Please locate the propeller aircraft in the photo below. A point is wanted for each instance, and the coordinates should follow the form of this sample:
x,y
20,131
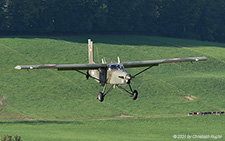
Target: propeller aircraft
x,y
109,73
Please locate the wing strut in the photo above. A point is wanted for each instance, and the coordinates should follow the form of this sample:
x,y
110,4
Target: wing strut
x,y
145,70
86,74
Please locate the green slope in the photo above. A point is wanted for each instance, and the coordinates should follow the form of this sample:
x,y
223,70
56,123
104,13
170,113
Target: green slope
x,y
53,95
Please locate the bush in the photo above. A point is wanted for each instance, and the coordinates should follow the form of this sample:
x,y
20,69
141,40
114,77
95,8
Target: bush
x,y
11,138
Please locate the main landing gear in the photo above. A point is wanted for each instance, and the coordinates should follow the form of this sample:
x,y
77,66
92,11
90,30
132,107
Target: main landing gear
x,y
134,94
101,95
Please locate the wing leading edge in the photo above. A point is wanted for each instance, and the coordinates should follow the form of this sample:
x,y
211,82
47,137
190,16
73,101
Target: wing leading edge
x,y
157,62
63,66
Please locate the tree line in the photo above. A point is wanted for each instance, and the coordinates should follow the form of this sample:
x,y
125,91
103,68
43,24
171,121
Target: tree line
x,y
195,19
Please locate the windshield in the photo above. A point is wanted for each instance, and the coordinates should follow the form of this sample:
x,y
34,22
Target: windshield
x,y
115,67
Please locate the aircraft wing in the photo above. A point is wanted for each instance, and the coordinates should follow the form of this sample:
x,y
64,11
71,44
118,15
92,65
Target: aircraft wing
x,y
157,62
62,67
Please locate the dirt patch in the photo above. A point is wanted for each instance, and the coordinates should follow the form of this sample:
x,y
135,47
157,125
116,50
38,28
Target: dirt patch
x,y
193,96
125,116
2,101
190,97
29,119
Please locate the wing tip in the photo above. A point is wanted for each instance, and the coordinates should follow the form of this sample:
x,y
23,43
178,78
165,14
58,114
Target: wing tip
x,y
18,67
201,59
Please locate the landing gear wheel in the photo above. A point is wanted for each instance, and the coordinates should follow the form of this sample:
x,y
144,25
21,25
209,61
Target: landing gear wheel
x,y
100,96
134,95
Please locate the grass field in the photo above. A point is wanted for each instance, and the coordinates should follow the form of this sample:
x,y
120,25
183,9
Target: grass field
x,y
52,105
120,129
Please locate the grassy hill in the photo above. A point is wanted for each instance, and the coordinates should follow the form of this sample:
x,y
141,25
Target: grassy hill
x,y
50,95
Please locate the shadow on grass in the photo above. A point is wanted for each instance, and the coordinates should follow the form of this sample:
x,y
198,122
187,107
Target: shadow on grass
x,y
135,40
42,122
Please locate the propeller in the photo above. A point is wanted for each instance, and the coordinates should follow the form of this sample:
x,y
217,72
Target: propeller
x,y
128,77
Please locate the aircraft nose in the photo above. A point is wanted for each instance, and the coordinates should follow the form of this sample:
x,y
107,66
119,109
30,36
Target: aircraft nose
x,y
128,77
125,76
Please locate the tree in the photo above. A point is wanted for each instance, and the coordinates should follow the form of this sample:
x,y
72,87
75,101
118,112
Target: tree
x,y
179,18
196,19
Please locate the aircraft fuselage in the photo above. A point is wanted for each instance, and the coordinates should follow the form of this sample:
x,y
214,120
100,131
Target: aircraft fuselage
x,y
113,74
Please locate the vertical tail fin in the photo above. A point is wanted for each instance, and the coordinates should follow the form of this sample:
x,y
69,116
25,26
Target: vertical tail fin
x,y
90,51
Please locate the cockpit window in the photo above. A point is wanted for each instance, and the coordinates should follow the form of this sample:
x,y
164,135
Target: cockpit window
x,y
115,67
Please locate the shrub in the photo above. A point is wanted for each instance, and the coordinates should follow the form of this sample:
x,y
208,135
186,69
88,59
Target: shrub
x,y
11,138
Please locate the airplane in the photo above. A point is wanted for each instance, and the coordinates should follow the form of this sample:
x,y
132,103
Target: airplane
x,y
109,73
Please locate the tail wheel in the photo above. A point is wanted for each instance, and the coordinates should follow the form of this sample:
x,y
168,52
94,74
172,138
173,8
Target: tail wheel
x,y
100,96
134,95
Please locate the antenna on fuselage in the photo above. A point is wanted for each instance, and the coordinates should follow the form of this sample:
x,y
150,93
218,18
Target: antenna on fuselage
x,y
103,60
118,58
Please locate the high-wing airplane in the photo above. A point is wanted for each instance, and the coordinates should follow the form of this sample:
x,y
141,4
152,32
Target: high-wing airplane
x,y
109,73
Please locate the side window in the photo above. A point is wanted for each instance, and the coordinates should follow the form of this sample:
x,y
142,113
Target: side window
x,y
109,67
121,67
118,67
